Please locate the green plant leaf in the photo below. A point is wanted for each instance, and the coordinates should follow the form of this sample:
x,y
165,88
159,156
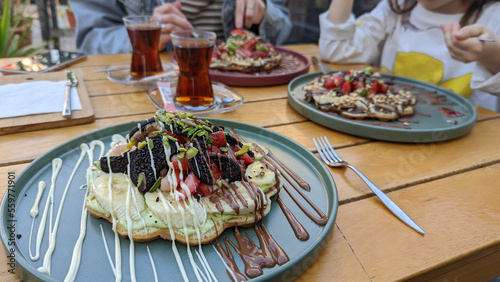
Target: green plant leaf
x,y
5,31
10,42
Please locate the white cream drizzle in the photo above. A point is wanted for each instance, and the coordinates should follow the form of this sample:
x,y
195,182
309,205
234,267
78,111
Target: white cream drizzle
x,y
130,231
34,210
152,264
188,248
49,203
167,207
107,250
77,250
45,268
118,257
179,197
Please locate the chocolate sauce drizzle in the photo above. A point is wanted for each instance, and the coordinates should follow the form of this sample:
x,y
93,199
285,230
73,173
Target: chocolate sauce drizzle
x,y
228,259
254,257
299,230
295,176
228,197
269,253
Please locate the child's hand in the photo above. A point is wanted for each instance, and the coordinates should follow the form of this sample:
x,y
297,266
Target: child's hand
x,y
466,49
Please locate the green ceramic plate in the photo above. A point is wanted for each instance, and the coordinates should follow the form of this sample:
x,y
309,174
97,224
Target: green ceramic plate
x,y
433,128
95,265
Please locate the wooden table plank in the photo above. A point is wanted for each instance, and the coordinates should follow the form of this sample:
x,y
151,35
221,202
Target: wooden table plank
x,y
460,218
303,133
336,263
395,165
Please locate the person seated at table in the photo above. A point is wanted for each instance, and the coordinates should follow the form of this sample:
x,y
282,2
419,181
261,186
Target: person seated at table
x,y
427,40
100,28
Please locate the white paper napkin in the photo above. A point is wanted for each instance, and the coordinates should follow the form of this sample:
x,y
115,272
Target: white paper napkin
x,y
37,97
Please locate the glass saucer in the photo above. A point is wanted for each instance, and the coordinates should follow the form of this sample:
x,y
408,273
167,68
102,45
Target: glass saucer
x,y
120,74
226,99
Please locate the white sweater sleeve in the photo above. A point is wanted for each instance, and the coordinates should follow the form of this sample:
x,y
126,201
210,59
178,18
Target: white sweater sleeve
x,y
356,40
482,79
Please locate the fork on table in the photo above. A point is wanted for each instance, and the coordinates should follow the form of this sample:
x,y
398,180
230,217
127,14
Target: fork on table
x,y
331,158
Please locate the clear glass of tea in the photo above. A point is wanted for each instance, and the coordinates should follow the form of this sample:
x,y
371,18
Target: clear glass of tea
x,y
193,52
144,34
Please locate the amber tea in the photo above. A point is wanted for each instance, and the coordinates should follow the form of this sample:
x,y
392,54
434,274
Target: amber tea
x,y
144,34
193,51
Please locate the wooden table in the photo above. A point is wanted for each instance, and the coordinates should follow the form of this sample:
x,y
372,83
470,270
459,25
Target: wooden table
x,y
450,189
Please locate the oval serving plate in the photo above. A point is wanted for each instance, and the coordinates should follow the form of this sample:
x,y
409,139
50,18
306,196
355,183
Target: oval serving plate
x,y
433,128
292,65
95,265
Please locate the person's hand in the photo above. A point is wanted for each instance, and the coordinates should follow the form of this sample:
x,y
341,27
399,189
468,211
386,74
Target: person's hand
x,y
249,12
462,46
173,19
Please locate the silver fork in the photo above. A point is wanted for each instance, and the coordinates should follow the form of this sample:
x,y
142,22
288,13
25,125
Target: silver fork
x,y
408,25
331,158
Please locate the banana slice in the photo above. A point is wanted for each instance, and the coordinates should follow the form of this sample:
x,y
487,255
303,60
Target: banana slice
x,y
120,184
257,155
259,174
194,213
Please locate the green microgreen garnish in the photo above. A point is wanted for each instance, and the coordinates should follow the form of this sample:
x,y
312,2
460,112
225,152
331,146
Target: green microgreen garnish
x,y
156,185
243,150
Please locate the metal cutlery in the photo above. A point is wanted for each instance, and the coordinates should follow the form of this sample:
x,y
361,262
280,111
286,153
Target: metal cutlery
x,y
324,68
331,158
71,81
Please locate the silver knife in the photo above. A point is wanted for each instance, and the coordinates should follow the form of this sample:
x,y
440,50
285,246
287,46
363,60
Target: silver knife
x,y
324,68
395,209
71,81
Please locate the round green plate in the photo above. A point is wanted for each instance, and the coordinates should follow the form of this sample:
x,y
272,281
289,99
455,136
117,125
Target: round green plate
x,y
435,128
95,265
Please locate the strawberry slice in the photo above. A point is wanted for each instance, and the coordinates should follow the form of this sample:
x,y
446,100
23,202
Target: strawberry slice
x,y
240,32
329,84
346,87
259,54
219,139
357,85
250,44
338,81
192,182
382,88
374,88
245,53
247,159
206,189
178,163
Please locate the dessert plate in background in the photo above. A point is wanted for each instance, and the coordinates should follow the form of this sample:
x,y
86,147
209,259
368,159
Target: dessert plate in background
x,y
292,65
428,124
